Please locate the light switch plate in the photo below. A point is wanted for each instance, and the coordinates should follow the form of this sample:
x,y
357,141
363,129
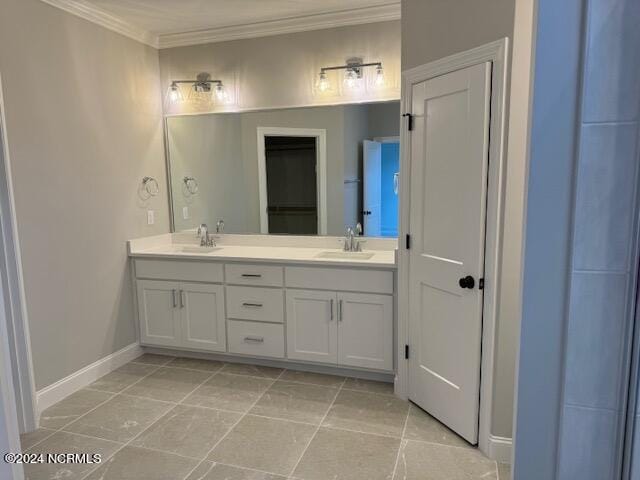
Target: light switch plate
x,y
185,213
151,219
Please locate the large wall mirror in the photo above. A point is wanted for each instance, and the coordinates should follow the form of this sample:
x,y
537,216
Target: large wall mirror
x,y
300,171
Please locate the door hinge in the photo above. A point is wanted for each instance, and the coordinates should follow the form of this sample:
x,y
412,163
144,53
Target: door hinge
x,y
481,284
407,241
406,351
409,120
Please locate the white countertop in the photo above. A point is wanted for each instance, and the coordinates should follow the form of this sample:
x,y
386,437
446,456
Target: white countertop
x,y
245,249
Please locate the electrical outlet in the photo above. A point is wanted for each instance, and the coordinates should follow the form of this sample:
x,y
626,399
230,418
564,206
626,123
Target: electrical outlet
x,y
185,213
151,218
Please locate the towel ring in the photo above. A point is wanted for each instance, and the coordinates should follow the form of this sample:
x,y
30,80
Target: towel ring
x,y
150,185
191,184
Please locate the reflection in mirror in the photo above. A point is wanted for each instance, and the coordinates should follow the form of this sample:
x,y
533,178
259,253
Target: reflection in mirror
x,y
302,171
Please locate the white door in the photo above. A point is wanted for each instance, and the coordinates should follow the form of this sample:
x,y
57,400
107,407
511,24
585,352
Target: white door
x,y
203,319
372,201
158,313
312,331
449,162
365,330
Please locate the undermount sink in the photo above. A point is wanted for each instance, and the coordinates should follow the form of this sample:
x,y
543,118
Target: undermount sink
x,y
346,255
191,249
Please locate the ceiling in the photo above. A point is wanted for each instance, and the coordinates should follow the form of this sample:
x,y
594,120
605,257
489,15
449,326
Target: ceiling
x,y
178,16
168,23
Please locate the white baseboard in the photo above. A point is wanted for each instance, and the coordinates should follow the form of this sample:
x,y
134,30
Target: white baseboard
x,y
499,449
63,388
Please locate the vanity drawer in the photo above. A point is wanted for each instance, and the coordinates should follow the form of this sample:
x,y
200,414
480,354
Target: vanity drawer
x,y
197,271
259,275
340,279
253,338
255,303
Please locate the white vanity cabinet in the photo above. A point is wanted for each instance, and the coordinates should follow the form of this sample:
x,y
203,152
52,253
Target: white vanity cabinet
x,y
365,330
158,313
203,319
312,326
182,314
330,315
347,328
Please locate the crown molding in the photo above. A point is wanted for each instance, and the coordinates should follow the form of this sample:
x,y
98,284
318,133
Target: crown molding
x,y
319,21
99,17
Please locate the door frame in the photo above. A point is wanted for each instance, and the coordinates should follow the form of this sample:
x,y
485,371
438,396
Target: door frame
x,y
497,53
320,135
17,323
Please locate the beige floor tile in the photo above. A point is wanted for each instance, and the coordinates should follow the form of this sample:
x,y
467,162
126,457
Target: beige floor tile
x,y
188,431
343,455
368,386
295,401
312,378
120,419
133,463
62,442
504,471
252,370
265,444
123,377
72,407
367,412
153,359
28,440
168,384
422,426
196,364
427,461
217,471
229,392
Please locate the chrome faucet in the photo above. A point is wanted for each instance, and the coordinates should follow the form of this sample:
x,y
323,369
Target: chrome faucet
x,y
351,242
348,240
206,240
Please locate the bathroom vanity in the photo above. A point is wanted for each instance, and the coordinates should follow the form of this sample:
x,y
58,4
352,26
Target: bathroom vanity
x,y
292,299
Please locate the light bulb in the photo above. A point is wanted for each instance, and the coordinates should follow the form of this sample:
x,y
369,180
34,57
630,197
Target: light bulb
x,y
175,95
220,92
350,78
323,82
379,76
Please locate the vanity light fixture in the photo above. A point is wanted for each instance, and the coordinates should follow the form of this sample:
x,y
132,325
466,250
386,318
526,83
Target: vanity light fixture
x,y
353,73
203,84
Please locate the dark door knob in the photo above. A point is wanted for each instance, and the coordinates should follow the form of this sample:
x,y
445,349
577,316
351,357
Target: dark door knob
x,y
467,282
366,212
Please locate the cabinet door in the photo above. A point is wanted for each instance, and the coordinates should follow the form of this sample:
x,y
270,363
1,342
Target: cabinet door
x,y
365,331
158,313
203,320
312,326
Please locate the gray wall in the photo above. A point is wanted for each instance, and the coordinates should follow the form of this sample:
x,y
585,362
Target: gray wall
x,y
432,29
84,126
282,70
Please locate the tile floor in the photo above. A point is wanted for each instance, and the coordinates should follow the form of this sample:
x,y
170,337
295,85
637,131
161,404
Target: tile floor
x,y
166,418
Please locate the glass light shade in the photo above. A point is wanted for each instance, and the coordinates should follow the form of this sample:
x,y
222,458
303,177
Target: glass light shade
x,y
220,93
323,82
350,78
175,94
379,81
